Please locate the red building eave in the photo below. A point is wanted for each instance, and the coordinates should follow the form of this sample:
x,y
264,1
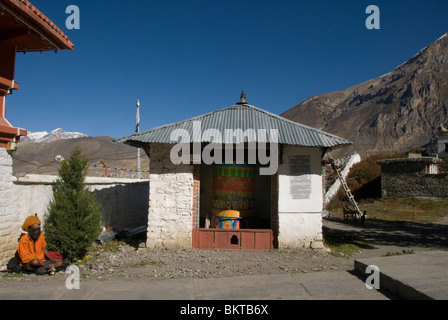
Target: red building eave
x,y
32,30
7,85
9,134
23,28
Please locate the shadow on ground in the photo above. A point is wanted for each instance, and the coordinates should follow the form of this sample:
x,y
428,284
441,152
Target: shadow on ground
x,y
388,233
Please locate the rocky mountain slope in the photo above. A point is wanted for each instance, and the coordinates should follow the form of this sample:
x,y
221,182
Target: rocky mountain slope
x,y
393,113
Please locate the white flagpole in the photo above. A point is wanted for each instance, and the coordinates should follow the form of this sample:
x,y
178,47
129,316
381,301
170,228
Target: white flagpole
x,y
137,129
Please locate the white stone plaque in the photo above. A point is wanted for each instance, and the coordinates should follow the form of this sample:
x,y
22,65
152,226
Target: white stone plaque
x,y
300,177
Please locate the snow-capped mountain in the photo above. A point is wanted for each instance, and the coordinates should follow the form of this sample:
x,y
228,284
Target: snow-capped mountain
x,y
56,134
34,136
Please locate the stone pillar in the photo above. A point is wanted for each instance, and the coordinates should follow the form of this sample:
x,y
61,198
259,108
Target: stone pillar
x,y
170,200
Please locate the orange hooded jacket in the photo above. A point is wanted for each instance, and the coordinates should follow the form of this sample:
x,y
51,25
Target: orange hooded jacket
x,y
29,250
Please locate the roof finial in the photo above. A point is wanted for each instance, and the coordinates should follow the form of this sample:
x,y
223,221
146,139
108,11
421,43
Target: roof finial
x,y
243,96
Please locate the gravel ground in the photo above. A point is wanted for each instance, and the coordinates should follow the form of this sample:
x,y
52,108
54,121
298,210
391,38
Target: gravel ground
x,y
129,262
169,264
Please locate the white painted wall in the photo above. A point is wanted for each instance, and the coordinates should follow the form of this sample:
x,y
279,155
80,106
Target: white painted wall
x,y
286,201
300,220
300,230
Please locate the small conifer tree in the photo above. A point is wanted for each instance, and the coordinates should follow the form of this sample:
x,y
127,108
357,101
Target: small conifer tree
x,y
74,217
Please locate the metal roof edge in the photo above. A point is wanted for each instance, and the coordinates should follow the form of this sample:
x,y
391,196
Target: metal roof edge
x,y
341,141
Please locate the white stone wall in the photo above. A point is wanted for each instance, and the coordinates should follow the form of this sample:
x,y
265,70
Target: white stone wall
x,y
170,201
300,219
8,203
124,202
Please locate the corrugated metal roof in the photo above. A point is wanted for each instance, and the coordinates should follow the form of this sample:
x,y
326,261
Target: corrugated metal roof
x,y
254,125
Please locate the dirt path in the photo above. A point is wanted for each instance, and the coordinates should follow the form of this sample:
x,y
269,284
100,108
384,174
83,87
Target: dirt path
x,y
382,237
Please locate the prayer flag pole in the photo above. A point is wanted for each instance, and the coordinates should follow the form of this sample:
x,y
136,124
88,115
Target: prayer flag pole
x,y
137,129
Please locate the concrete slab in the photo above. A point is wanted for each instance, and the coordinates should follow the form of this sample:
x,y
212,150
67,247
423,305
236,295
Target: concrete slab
x,y
335,285
271,287
422,275
144,290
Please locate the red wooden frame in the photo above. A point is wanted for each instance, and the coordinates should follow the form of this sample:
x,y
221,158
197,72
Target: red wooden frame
x,y
246,239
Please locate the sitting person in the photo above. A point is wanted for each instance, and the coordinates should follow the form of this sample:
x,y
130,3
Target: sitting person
x,y
32,252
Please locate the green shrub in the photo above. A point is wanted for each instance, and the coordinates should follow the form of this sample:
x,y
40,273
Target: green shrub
x,y
74,217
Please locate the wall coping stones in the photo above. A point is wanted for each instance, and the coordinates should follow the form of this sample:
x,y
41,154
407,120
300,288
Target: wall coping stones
x,y
51,179
426,160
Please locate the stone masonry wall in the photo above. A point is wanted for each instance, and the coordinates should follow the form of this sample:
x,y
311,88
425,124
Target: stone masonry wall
x,y
413,177
414,185
170,201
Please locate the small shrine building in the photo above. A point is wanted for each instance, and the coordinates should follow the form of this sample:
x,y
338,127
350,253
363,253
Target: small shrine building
x,y
235,178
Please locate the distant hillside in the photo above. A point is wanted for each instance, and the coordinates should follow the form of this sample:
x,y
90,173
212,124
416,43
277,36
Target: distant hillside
x,y
393,113
39,158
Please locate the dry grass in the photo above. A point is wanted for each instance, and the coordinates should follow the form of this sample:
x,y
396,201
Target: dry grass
x,y
343,246
401,209
364,180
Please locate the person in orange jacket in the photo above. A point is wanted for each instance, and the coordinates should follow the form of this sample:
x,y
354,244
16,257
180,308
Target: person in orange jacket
x,y
32,249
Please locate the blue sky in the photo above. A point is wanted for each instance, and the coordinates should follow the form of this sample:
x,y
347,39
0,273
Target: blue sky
x,y
185,58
